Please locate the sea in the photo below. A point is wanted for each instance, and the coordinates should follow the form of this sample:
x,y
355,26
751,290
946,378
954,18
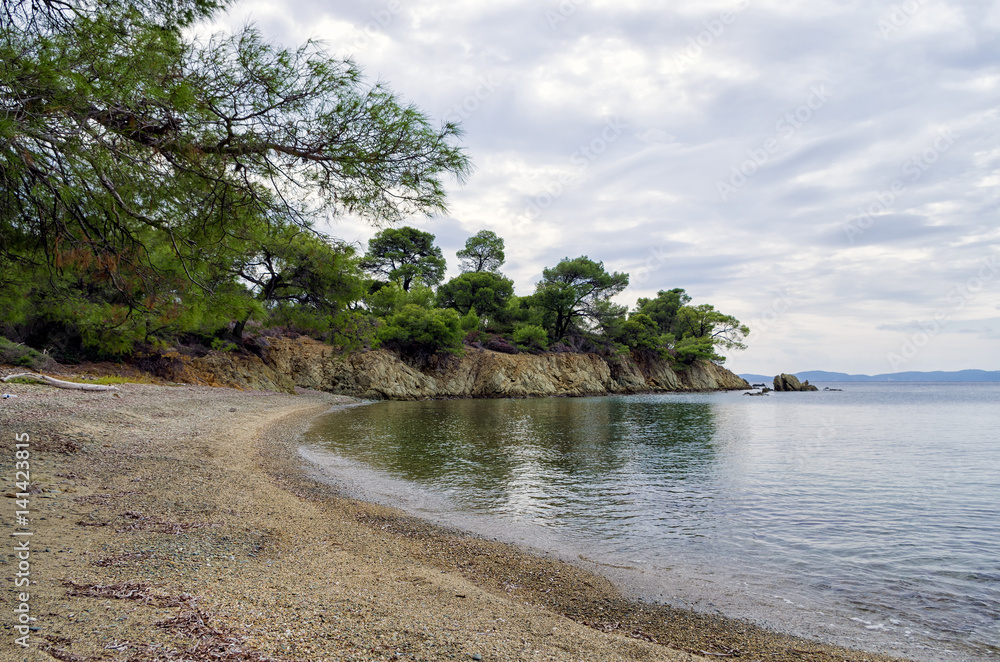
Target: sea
x,y
867,516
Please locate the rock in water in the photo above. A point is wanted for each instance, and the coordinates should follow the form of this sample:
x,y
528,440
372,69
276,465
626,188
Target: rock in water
x,y
785,382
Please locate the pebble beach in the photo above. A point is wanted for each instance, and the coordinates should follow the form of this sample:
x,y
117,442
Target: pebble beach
x,y
177,522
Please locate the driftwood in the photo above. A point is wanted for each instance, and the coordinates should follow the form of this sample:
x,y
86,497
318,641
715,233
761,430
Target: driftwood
x,y
58,383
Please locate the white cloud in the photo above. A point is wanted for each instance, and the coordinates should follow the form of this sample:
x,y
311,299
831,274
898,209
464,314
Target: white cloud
x,y
648,202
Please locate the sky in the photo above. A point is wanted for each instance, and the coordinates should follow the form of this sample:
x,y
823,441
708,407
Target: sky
x,y
826,171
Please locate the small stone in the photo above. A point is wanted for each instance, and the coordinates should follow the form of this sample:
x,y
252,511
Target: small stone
x,y
477,656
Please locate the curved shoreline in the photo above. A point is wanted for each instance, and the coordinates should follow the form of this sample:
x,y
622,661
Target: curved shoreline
x,y
626,588
184,517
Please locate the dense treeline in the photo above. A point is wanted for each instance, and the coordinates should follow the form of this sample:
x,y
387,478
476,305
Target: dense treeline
x,y
392,296
571,308
157,191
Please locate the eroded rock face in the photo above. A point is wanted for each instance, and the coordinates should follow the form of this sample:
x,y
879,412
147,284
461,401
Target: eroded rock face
x,y
784,382
382,375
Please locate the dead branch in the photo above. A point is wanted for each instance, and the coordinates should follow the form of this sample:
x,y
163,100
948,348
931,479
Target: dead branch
x,y
58,383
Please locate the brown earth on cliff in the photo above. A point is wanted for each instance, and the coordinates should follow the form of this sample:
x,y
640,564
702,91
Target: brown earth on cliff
x,y
381,375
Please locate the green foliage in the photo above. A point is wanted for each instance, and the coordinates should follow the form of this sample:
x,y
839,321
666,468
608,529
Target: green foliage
x,y
698,330
485,292
353,330
575,294
641,334
390,298
483,252
422,332
151,186
302,279
470,322
530,337
223,345
405,255
664,308
519,311
704,321
77,313
689,349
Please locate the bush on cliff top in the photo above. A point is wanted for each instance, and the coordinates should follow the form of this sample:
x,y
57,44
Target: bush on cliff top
x,y
421,332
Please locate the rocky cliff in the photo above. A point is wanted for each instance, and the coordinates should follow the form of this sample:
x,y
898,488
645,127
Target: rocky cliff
x,y
380,374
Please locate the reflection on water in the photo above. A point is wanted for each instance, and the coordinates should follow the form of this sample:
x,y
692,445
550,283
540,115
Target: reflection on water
x,y
590,462
873,509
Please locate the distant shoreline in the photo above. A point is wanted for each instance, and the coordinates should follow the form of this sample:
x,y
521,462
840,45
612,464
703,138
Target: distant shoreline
x,y
935,377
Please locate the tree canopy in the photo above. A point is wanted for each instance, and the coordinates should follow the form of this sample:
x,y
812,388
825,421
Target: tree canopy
x,y
664,308
297,275
483,252
693,332
576,292
405,255
482,291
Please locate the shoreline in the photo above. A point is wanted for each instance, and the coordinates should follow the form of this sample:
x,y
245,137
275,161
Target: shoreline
x,y
185,520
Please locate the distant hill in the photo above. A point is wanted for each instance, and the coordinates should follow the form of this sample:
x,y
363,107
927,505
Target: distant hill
x,y
815,376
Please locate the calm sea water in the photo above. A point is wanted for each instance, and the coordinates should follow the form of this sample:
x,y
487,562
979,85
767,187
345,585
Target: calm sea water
x,y
868,517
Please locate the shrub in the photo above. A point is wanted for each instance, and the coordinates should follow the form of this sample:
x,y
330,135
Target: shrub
x,y
531,338
418,331
641,334
690,349
470,321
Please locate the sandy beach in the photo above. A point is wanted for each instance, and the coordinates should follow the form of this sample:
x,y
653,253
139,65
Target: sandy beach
x,y
179,523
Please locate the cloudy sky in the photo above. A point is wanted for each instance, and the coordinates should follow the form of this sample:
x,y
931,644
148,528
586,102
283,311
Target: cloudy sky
x,y
826,171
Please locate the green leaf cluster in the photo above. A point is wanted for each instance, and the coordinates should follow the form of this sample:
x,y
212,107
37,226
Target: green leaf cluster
x,y
691,332
531,338
575,297
421,332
